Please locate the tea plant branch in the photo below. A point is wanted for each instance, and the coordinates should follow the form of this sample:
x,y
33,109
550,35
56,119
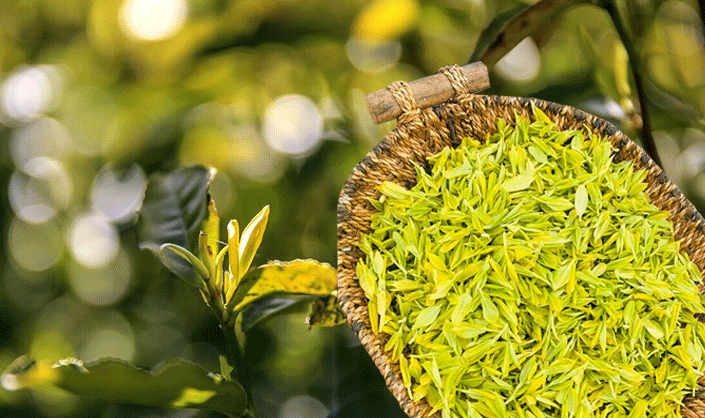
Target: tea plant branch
x,y
236,360
644,128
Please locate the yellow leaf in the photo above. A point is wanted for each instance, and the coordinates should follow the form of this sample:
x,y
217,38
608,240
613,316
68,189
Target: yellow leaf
x,y
206,254
252,238
393,190
211,226
386,19
233,257
639,409
301,277
219,276
374,319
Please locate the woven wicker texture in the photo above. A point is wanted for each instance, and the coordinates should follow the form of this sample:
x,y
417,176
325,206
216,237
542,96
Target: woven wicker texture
x,y
421,133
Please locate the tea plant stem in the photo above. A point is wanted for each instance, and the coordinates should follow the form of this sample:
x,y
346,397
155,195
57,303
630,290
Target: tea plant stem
x,y
237,361
635,66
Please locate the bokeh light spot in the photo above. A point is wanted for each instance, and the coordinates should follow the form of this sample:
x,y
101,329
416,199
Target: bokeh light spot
x,y
293,125
29,92
9,382
35,247
108,342
93,240
373,56
252,158
103,286
35,195
152,20
302,407
119,195
521,63
29,198
44,137
223,191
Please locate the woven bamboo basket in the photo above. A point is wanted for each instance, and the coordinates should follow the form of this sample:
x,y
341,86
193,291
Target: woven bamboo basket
x,y
422,132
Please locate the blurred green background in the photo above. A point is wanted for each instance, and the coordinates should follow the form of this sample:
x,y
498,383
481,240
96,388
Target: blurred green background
x,y
97,95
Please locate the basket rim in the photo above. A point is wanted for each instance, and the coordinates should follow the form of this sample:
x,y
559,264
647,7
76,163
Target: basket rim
x,y
688,223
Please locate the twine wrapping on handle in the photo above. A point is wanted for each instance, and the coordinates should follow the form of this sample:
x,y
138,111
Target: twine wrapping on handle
x,y
429,91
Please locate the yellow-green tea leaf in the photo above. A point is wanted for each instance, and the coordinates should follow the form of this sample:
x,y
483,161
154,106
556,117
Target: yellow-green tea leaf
x,y
427,316
581,200
517,183
508,303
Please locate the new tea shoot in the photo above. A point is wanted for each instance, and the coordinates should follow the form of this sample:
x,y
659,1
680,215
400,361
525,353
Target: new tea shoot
x,y
530,276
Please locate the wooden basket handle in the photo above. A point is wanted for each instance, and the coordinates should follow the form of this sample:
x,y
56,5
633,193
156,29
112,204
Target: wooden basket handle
x,y
428,91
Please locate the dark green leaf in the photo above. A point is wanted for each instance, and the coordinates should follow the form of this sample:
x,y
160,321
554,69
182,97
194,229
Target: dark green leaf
x,y
270,306
174,206
492,31
511,27
324,310
173,384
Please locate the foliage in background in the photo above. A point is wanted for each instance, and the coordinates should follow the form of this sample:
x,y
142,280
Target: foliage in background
x,y
178,220
95,98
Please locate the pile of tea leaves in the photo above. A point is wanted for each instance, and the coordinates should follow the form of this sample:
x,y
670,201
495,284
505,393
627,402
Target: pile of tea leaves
x,y
530,276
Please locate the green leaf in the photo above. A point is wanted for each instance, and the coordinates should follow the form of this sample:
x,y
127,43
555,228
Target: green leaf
x,y
211,229
251,238
226,370
653,328
489,310
173,384
179,265
298,277
174,207
509,28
